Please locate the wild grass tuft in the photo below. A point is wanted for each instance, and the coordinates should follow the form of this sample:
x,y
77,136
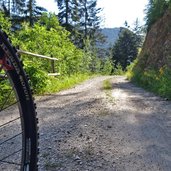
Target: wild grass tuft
x,y
107,85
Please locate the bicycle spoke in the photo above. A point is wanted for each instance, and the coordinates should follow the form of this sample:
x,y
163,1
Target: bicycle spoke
x,y
10,138
12,104
10,127
17,152
3,76
6,100
12,163
9,122
2,160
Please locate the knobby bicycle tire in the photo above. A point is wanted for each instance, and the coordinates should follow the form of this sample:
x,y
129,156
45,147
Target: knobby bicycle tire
x,y
12,69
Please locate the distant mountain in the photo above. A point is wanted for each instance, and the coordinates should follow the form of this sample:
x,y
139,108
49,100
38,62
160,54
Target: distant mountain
x,y
111,35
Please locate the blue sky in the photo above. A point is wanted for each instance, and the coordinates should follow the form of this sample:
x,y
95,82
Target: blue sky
x,y
115,12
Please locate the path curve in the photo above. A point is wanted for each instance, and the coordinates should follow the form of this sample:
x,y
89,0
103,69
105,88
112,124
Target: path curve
x,y
87,128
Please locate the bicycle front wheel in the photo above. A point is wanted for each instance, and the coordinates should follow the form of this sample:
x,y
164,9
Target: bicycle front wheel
x,y
18,123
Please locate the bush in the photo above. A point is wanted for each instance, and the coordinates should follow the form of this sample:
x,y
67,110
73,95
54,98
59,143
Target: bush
x,y
107,67
48,38
157,81
118,70
5,23
39,78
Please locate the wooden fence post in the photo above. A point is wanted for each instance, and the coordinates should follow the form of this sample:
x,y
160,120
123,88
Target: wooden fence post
x,y
53,65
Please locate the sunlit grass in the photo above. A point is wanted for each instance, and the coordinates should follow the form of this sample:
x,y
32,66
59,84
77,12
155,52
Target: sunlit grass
x,y
107,85
62,83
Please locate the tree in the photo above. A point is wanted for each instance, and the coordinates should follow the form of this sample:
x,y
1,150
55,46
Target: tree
x,y
138,30
32,11
80,17
125,49
155,9
21,10
90,21
67,13
12,7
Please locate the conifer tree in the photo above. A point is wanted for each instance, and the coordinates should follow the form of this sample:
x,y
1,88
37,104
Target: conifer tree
x,y
20,10
89,20
32,11
66,13
80,17
125,49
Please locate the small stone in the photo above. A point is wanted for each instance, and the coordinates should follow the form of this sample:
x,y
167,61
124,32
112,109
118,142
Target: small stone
x,y
80,135
80,162
87,138
109,126
77,157
68,132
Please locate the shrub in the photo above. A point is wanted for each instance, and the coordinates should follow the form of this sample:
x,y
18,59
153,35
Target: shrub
x,y
157,81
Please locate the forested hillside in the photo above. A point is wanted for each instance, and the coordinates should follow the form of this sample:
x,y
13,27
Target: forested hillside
x,y
111,35
152,70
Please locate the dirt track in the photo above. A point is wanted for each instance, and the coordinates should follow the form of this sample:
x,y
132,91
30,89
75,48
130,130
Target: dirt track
x,y
89,129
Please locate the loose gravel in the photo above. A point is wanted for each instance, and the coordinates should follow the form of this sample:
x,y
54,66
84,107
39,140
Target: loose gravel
x,y
87,128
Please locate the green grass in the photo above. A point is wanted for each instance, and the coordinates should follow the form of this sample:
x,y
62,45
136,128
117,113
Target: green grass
x,y
107,85
62,83
156,81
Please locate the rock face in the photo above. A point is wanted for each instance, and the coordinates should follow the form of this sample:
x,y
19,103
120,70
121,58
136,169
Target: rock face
x,y
156,51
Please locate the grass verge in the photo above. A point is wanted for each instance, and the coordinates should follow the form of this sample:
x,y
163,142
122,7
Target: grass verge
x,y
61,83
156,81
107,86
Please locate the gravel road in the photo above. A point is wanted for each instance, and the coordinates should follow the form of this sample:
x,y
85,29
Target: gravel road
x,y
87,128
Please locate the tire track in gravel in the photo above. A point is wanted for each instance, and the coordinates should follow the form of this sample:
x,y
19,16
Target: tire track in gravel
x,y
82,129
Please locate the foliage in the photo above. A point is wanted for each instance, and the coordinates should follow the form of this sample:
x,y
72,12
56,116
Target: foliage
x,y
5,90
125,49
47,37
51,41
107,85
81,19
89,20
107,67
39,78
157,81
67,13
154,10
118,70
129,69
5,23
21,10
58,84
95,64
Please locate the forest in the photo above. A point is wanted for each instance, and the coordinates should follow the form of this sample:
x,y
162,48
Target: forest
x,y
73,37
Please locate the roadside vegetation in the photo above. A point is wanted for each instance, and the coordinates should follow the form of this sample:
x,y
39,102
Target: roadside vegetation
x,y
48,37
151,77
157,81
74,44
107,85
